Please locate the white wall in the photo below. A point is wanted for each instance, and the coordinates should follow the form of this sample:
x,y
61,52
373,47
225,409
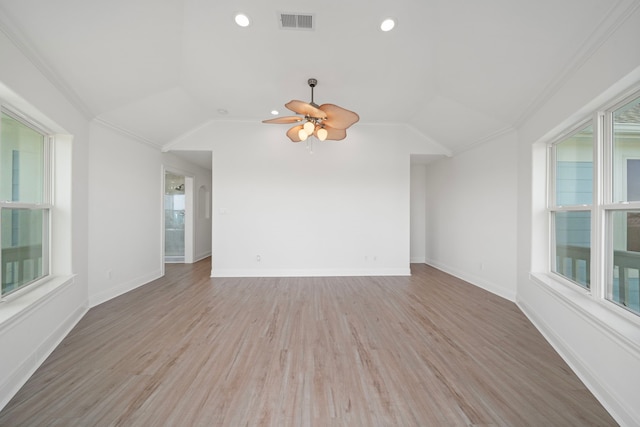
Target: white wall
x,y
125,209
202,196
343,210
471,215
418,212
29,337
601,347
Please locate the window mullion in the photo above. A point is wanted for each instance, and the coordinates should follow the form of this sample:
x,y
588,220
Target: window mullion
x,y
551,206
551,173
624,206
601,162
48,172
576,208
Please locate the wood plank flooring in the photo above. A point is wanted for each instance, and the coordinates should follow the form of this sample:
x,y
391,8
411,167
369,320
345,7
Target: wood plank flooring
x,y
188,350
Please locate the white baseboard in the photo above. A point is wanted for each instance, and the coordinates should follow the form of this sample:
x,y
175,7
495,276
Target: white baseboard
x,y
200,257
418,260
475,280
310,272
604,394
123,288
11,385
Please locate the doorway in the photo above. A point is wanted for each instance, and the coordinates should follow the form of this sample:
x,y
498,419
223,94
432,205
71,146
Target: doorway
x,y
178,218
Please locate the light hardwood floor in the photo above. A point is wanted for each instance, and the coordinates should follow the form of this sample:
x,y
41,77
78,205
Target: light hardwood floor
x,y
188,350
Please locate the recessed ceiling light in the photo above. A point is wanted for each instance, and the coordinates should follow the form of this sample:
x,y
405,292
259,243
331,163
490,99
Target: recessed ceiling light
x,y
222,111
275,112
242,20
387,24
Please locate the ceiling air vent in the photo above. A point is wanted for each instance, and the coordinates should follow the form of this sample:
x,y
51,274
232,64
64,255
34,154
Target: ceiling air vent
x,y
296,21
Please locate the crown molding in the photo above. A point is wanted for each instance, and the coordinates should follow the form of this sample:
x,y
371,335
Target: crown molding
x,y
496,134
607,26
179,138
446,151
25,46
412,128
126,133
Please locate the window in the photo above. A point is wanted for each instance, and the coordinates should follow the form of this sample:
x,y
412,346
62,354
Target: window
x,y
25,203
594,205
622,210
571,204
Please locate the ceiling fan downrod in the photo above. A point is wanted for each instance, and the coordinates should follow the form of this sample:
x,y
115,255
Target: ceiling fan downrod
x,y
312,84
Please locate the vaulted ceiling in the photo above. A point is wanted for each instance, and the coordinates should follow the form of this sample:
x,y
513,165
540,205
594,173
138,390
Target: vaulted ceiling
x,y
457,71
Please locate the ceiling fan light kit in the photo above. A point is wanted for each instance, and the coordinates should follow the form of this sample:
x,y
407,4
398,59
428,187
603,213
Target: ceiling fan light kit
x,y
324,122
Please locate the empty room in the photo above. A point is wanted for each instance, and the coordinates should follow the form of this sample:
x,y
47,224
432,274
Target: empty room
x,y
320,214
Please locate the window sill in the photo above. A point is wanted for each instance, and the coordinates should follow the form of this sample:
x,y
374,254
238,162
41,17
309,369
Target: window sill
x,y
13,308
606,316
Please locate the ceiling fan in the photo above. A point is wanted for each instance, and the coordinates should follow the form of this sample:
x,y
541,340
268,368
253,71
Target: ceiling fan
x,y
326,121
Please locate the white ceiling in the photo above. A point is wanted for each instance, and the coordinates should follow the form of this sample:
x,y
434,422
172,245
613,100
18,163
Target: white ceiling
x,y
457,71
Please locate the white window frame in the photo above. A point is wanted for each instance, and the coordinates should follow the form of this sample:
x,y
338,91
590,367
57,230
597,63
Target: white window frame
x,y
602,208
609,205
46,205
553,208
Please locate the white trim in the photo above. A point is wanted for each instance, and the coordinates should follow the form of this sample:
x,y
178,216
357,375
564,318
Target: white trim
x,y
573,208
601,33
618,324
167,147
25,205
10,385
10,29
127,133
601,234
600,176
604,394
15,306
177,140
624,206
474,280
200,257
445,151
26,120
190,215
418,260
328,272
45,205
123,288
490,137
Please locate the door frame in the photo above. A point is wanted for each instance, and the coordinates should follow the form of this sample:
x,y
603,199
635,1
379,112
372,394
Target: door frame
x,y
189,229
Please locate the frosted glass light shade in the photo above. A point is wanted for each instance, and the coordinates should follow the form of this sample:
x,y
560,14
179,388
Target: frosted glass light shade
x,y
322,134
302,134
308,127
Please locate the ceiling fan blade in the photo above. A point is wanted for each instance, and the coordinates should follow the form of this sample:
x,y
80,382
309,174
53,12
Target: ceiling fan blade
x,y
304,108
338,117
335,134
284,120
293,133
